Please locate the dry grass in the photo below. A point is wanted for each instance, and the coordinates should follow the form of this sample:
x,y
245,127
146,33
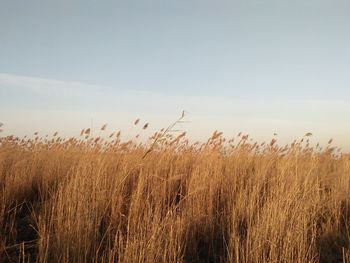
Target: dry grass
x,y
92,200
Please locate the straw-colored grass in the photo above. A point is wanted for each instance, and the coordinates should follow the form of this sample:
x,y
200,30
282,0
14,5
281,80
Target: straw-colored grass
x,y
89,200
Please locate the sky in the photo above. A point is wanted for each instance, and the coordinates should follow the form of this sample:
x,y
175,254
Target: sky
x,y
260,67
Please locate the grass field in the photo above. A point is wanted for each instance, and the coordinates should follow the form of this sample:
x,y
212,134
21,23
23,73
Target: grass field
x,y
103,200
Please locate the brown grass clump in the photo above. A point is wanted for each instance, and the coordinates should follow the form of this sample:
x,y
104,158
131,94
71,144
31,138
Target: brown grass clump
x,y
104,200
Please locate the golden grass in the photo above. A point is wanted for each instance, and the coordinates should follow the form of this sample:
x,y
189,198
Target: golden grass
x,y
97,200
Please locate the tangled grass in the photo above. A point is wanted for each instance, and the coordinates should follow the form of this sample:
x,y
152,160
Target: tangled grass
x,y
104,200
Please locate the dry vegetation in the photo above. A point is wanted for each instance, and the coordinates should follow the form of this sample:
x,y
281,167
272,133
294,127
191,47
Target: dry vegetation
x,y
104,200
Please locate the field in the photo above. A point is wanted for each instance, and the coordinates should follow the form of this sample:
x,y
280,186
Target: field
x,y
90,199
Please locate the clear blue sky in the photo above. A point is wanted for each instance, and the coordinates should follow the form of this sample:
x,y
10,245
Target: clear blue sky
x,y
251,65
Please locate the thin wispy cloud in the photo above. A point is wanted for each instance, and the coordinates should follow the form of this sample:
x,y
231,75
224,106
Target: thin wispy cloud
x,y
45,86
111,98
